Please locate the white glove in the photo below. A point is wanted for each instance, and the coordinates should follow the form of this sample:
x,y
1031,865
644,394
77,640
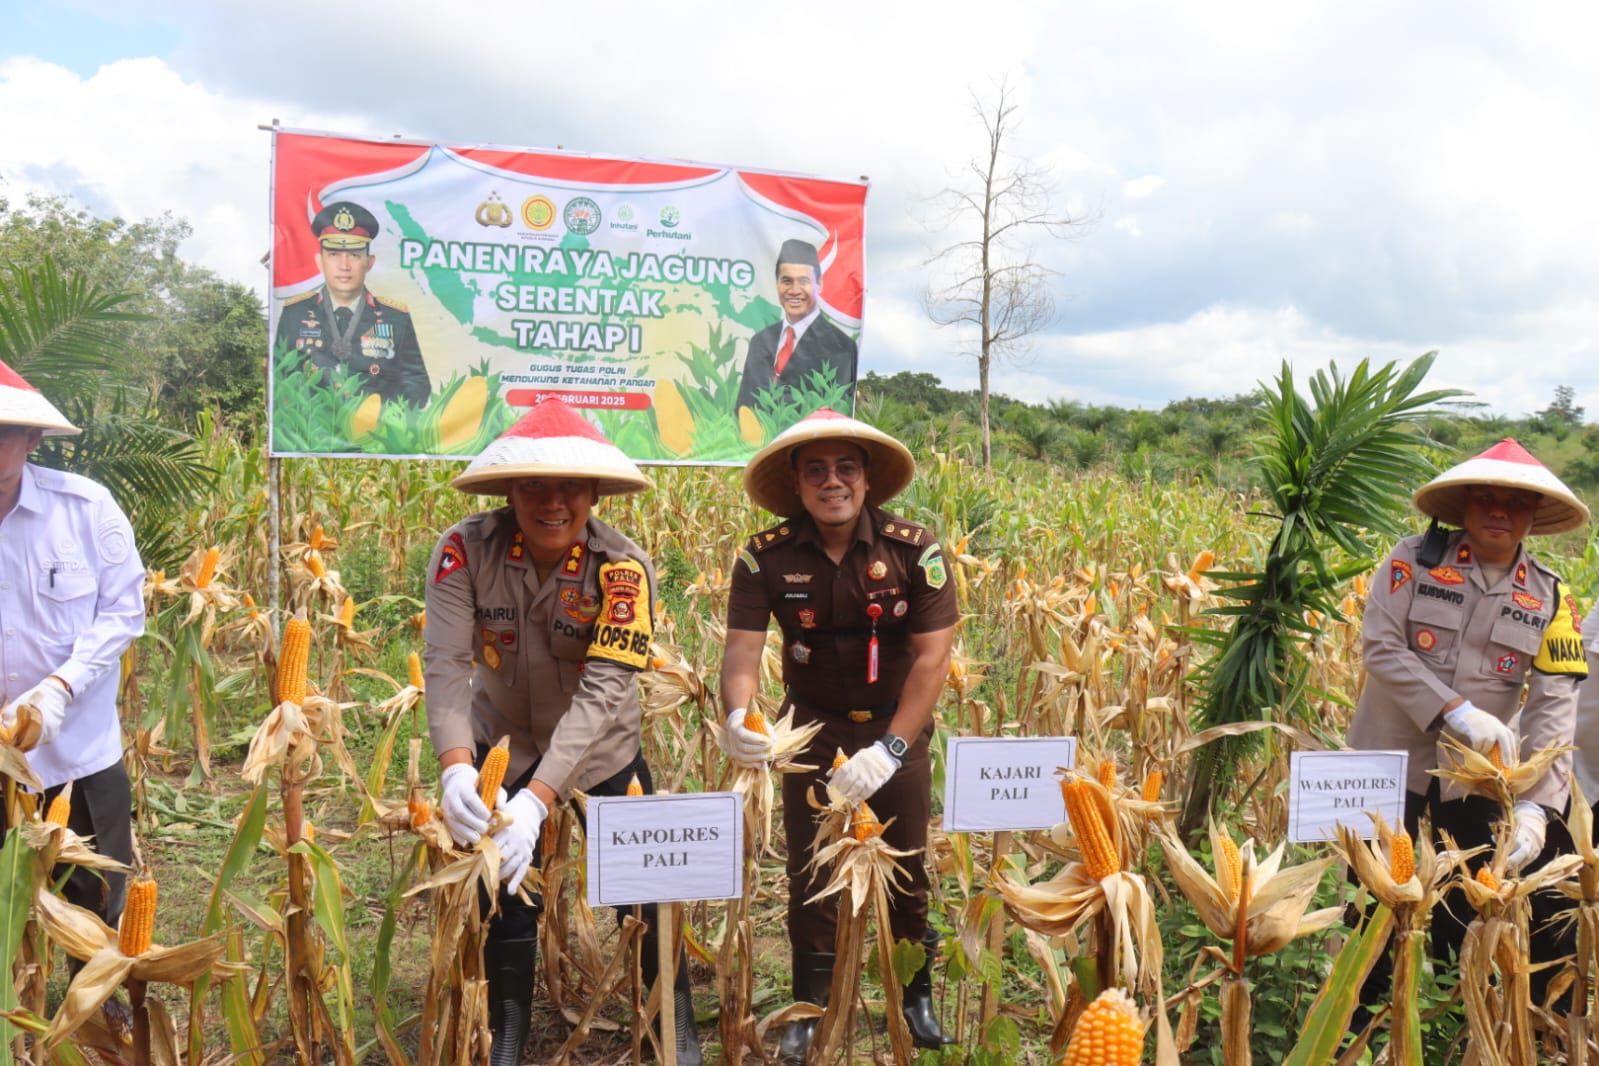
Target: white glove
x,y
1481,730
1527,835
745,746
49,701
517,840
465,816
864,773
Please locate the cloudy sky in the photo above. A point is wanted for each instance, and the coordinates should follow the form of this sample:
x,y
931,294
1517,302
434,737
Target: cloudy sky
x,y
1263,181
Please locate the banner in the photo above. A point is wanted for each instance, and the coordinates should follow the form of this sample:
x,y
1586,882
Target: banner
x,y
424,296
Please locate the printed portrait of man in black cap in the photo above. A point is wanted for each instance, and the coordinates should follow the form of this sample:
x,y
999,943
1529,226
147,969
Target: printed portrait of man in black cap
x,y
786,352
343,324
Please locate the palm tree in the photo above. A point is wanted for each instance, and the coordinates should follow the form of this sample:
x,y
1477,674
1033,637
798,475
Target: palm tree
x,y
1337,469
61,333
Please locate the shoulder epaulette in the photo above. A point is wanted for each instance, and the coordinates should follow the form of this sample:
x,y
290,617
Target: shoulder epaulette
x,y
768,537
393,305
908,532
300,298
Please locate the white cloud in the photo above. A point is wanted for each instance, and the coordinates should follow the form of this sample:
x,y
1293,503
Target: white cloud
x,y
1310,182
1143,188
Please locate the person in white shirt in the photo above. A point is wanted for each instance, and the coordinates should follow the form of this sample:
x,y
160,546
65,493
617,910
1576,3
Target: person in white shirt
x,y
71,602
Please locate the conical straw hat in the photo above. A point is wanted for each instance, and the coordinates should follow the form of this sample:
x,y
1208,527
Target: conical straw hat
x,y
551,441
1510,465
769,477
23,405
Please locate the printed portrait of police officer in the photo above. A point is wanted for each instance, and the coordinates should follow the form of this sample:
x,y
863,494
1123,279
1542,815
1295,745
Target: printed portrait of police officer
x,y
344,324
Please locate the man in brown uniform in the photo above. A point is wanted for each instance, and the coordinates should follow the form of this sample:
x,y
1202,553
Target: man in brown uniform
x,y
539,617
1458,623
867,614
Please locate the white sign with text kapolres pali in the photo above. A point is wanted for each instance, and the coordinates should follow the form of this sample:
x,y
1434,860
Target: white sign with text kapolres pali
x,y
1001,783
665,849
1328,787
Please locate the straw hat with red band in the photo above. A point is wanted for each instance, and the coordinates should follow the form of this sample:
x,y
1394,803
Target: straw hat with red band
x,y
23,405
1510,465
551,441
769,477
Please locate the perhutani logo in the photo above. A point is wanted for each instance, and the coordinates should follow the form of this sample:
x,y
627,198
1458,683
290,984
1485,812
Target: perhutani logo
x,y
670,216
582,216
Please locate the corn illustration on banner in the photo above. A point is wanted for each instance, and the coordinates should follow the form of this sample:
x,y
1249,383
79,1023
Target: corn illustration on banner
x,y
423,296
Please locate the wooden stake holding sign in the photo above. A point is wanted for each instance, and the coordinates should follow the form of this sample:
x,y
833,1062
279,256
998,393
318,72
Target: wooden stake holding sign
x,y
665,850
1000,785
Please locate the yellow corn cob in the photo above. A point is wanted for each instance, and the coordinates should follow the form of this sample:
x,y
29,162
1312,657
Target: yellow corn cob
x,y
864,824
317,538
840,759
463,415
347,613
1109,1033
1487,879
294,659
307,830
755,722
1152,786
1202,563
313,562
492,775
1402,857
672,418
249,601
1496,757
60,810
365,418
414,663
635,787
1091,605
208,567
419,621
1234,867
138,916
420,812
1107,772
1093,837
749,427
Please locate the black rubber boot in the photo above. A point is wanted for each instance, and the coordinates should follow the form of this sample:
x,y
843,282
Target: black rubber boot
x,y
813,981
918,1005
510,965
688,1036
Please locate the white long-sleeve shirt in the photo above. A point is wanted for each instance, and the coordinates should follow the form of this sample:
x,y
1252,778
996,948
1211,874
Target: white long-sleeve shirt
x,y
70,604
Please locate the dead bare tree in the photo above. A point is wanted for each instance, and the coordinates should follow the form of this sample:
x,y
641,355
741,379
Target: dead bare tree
x,y
991,282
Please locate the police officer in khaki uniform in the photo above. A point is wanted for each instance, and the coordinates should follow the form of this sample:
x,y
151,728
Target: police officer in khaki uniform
x,y
1460,622
342,324
867,612
539,618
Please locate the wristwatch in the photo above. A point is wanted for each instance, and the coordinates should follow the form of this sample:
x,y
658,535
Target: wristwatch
x,y
895,746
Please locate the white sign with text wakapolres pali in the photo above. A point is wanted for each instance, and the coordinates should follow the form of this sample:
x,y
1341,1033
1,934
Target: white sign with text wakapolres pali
x,y
1002,783
665,849
1328,787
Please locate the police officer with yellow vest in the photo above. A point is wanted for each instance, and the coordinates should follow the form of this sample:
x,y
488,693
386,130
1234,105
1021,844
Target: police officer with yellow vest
x,y
1460,623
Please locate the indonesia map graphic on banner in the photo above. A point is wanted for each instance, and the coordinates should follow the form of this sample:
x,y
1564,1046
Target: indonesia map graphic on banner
x,y
424,296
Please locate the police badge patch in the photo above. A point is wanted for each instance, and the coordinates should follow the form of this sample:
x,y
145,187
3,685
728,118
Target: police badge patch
x,y
452,557
1398,574
626,617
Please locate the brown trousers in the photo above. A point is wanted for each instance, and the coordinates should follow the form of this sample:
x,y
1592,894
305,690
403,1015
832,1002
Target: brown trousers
x,y
907,799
